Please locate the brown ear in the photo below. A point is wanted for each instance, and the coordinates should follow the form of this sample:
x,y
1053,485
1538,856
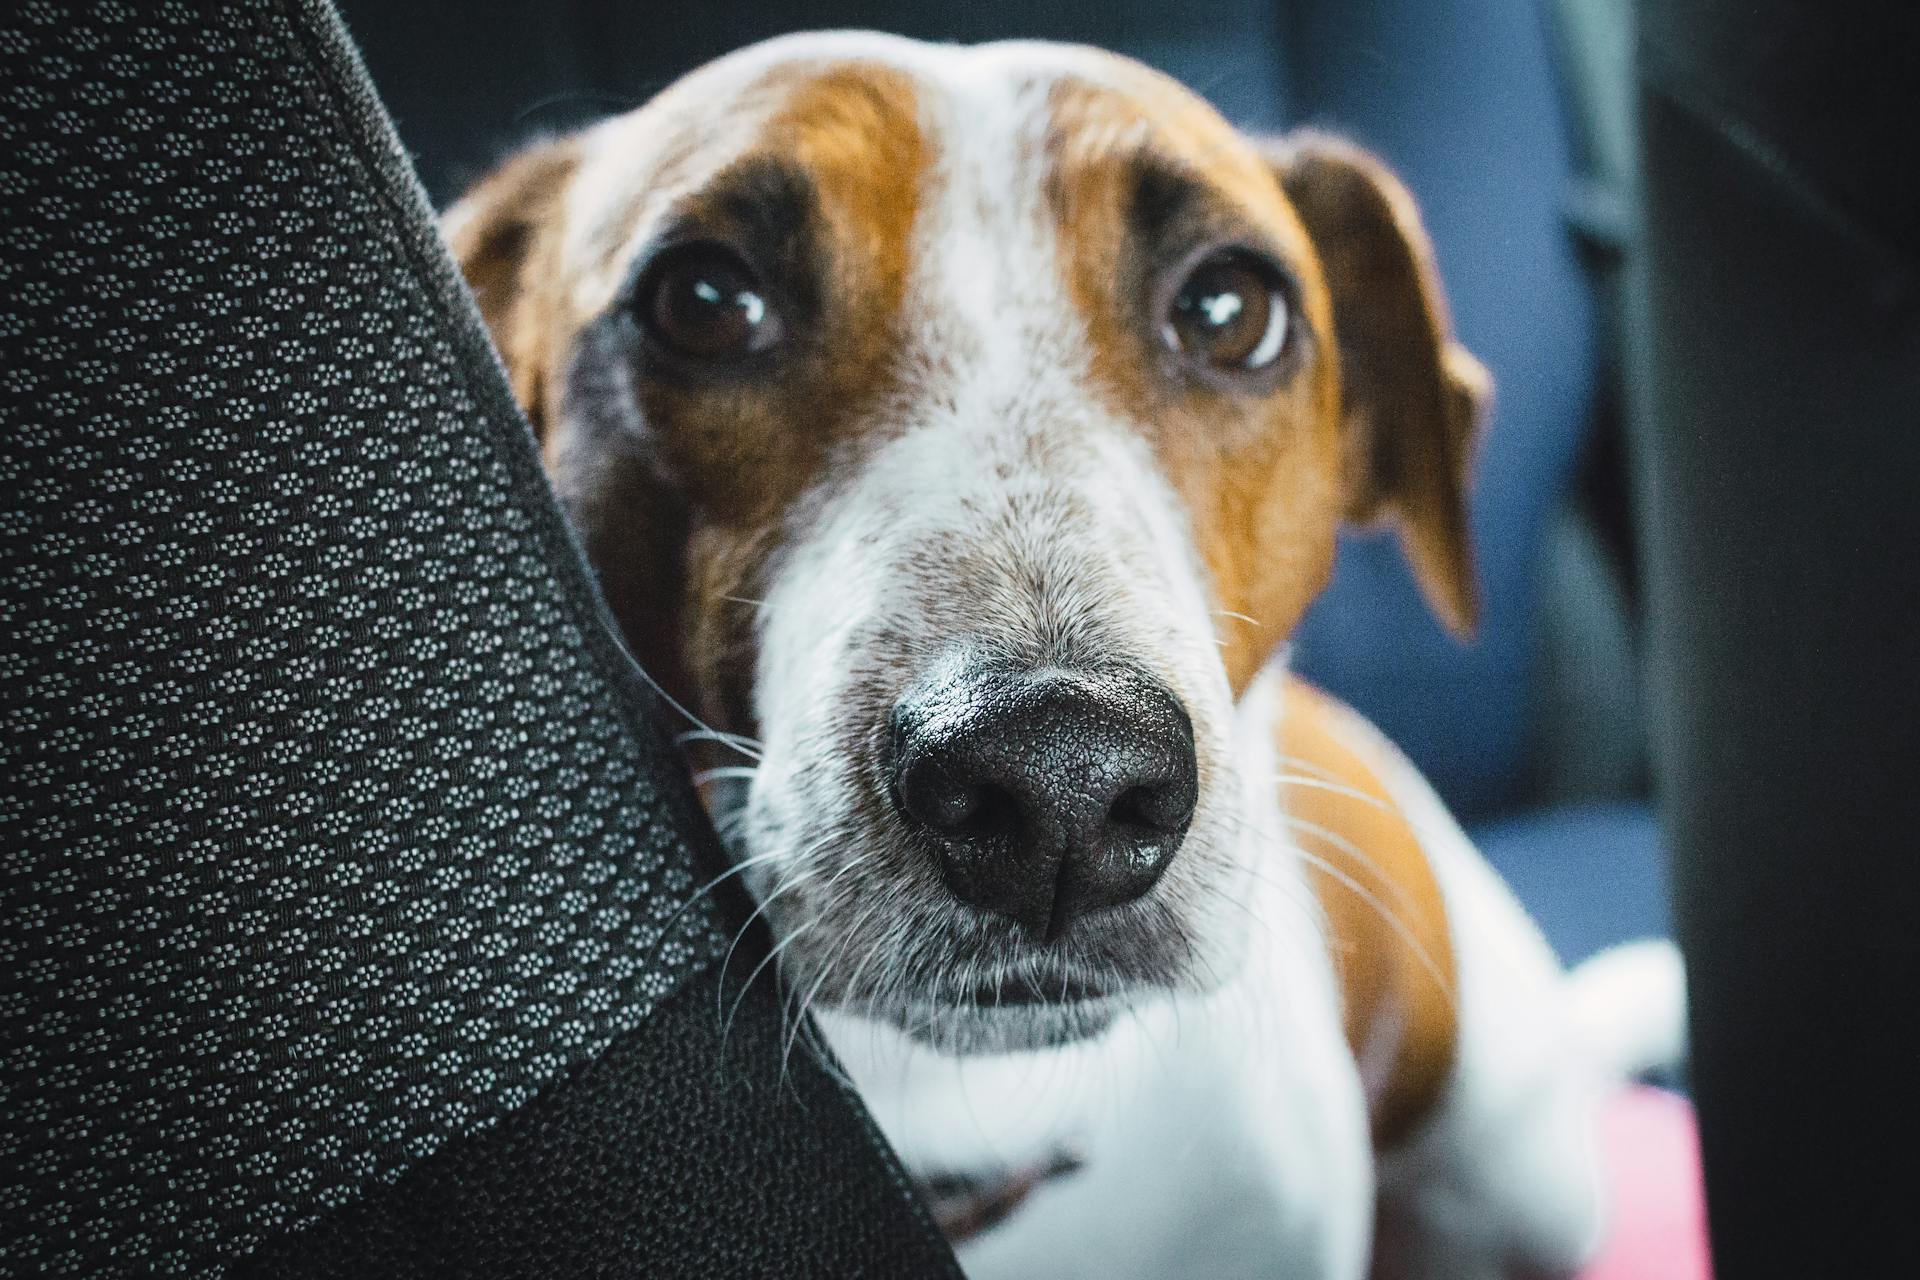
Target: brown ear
x,y
500,232
1412,398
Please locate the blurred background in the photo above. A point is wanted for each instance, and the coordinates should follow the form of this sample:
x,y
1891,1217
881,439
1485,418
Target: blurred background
x,y
1510,123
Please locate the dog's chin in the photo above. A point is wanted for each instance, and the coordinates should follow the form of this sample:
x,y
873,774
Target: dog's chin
x,y
969,1029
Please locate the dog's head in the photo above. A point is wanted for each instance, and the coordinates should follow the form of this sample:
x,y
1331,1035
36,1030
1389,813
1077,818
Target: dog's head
x,y
970,426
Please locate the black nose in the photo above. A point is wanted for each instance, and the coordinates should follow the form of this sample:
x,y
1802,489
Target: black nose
x,y
1048,795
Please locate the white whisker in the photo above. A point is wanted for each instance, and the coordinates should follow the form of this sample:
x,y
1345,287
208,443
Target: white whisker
x,y
722,773
749,747
666,929
1387,915
1337,788
799,877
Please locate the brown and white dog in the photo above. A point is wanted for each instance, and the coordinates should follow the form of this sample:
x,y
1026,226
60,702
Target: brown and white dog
x,y
962,431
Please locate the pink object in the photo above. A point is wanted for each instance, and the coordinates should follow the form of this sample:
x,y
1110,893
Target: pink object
x,y
1652,1154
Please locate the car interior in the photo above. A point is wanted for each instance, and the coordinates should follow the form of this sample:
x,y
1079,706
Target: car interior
x,y
360,916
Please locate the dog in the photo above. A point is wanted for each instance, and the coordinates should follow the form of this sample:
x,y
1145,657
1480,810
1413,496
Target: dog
x,y
958,434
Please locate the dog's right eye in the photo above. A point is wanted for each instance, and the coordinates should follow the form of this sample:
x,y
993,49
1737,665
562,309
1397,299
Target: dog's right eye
x,y
702,302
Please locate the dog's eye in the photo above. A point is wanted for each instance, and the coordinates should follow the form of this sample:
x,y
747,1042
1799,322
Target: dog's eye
x,y
1230,314
702,301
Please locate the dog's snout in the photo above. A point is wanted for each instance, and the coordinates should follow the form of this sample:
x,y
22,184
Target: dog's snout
x,y
1049,795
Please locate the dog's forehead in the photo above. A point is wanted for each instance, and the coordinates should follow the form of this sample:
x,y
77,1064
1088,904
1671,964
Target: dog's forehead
x,y
991,122
737,94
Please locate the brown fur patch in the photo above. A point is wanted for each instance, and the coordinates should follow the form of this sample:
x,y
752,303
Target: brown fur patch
x,y
1259,475
679,524
1388,925
747,453
504,234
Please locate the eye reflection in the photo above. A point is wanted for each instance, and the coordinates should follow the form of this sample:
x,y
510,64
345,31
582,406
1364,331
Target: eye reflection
x,y
701,301
1230,314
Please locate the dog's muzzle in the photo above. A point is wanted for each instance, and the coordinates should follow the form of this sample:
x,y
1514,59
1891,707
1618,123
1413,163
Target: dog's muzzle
x,y
1045,796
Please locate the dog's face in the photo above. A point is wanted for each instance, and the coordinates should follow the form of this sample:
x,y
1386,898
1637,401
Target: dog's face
x,y
969,426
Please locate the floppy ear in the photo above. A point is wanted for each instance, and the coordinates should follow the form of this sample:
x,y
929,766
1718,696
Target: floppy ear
x,y
1411,397
500,233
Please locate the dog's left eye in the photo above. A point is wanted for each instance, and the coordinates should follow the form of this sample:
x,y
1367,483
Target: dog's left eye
x,y
702,301
1230,314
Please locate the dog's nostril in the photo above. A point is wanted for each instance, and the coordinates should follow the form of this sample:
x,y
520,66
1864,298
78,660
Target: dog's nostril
x,y
1048,796
1152,808
928,791
944,808
970,811
995,812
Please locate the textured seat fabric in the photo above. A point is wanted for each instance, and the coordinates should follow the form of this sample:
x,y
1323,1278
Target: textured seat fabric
x,y
342,926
